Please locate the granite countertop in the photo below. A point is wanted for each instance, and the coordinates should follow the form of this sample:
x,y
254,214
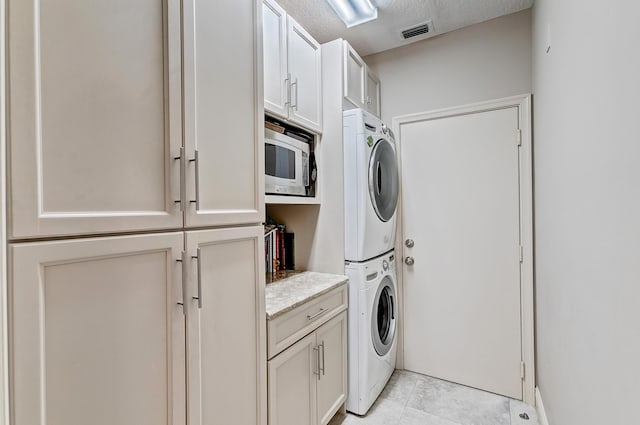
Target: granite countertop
x,y
287,294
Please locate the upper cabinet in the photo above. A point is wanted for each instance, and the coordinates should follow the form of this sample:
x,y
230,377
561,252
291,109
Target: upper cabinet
x,y
292,69
361,86
96,115
223,113
372,90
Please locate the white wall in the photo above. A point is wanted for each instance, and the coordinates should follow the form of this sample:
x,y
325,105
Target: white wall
x,y
587,196
486,61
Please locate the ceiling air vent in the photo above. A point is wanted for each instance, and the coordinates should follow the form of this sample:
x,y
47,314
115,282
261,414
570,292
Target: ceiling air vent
x,y
421,29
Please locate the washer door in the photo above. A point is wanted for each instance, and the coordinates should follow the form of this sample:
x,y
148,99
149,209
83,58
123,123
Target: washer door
x,y
383,317
383,180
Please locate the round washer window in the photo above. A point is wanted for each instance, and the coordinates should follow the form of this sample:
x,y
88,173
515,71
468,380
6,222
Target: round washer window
x,y
383,180
383,319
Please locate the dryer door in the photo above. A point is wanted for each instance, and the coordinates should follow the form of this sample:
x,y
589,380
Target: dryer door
x,y
383,180
383,317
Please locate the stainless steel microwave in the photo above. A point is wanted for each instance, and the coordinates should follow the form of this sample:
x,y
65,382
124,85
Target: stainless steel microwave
x,y
286,164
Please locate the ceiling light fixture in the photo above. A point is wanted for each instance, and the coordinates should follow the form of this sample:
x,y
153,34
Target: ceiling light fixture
x,y
354,12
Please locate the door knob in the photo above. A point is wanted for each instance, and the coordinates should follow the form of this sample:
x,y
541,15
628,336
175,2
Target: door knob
x,y
409,243
409,261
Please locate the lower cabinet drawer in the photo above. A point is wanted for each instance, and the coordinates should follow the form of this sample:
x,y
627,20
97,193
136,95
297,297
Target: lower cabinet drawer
x,y
295,324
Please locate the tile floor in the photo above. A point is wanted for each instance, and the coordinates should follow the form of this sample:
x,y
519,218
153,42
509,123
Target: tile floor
x,y
413,399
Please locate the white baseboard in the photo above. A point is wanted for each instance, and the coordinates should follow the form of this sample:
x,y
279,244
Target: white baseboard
x,y
542,415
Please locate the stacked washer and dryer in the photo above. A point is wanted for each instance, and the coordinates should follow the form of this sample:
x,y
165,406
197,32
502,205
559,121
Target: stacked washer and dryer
x,y
370,197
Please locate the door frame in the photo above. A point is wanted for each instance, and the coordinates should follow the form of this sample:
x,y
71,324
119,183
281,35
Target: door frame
x,y
523,103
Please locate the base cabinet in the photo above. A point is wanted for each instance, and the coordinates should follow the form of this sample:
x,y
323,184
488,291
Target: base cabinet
x,y
97,334
308,381
226,341
139,330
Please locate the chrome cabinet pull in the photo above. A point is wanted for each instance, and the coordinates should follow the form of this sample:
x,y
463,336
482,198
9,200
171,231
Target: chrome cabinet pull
x,y
287,83
199,266
183,179
409,261
313,316
183,261
197,172
295,83
322,345
317,371
409,243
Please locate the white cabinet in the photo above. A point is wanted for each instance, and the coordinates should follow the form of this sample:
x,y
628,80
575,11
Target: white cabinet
x,y
223,113
372,98
292,384
354,76
226,347
94,116
292,69
308,378
98,329
276,78
361,87
100,100
332,340
98,336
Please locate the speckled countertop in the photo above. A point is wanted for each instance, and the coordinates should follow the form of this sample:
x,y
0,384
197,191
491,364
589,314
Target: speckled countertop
x,y
287,294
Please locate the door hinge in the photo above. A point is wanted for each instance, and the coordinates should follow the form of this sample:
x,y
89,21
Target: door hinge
x,y
522,370
519,137
521,253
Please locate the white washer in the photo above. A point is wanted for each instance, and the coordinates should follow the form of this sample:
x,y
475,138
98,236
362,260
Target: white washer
x,y
371,186
373,308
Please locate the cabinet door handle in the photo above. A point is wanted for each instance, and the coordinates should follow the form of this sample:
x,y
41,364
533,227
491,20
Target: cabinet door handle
x,y
197,173
317,371
313,316
322,345
183,179
287,83
183,262
199,268
295,83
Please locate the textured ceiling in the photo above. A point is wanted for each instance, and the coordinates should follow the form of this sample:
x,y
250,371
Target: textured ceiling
x,y
317,17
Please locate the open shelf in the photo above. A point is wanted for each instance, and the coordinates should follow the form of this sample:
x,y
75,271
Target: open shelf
x,y
291,200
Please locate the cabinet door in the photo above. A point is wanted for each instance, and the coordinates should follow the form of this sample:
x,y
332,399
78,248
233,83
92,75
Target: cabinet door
x,y
332,382
305,67
373,94
226,325
274,33
223,112
354,77
292,384
95,116
97,334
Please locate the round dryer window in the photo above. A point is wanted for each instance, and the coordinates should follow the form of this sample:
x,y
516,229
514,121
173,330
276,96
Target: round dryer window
x,y
383,319
383,180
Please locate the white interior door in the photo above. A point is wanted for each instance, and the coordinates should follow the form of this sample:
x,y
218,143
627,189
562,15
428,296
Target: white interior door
x,y
460,178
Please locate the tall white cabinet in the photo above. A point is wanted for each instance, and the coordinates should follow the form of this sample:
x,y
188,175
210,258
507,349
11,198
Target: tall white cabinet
x,y
135,204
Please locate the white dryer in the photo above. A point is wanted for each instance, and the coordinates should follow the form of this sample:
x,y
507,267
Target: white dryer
x,y
372,318
371,186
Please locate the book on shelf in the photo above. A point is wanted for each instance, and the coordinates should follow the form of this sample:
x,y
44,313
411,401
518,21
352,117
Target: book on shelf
x,y
278,248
